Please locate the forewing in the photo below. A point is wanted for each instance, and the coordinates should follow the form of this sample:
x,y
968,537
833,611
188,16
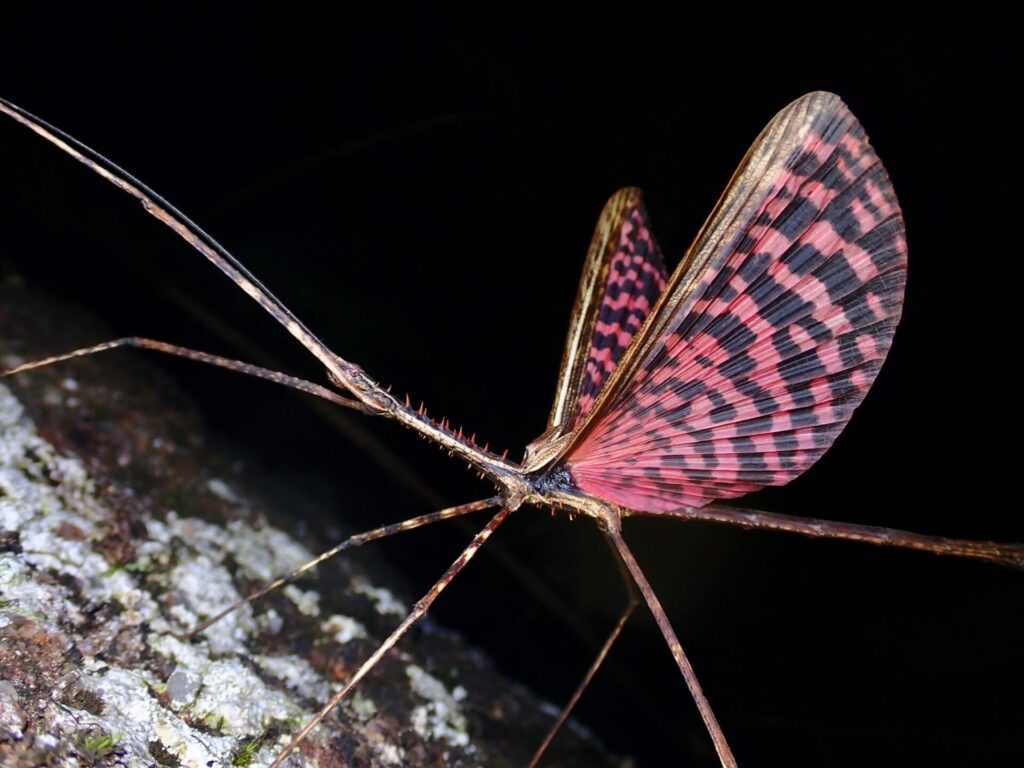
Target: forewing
x,y
622,278
769,333
636,277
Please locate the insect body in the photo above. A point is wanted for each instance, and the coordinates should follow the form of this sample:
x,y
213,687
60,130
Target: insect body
x,y
735,372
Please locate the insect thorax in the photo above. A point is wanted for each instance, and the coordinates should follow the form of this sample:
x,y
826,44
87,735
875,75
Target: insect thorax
x,y
557,489
556,479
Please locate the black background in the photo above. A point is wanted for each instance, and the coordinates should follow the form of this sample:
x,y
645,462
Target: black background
x,y
420,189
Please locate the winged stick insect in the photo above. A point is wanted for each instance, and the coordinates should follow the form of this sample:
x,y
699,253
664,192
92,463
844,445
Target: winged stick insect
x,y
736,372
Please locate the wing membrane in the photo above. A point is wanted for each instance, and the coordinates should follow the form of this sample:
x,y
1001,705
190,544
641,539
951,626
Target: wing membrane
x,y
622,278
636,277
769,333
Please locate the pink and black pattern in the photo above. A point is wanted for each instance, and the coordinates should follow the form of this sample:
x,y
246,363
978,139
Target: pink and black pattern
x,y
763,363
636,277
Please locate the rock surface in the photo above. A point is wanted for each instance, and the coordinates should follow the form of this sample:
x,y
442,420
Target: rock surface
x,y
120,527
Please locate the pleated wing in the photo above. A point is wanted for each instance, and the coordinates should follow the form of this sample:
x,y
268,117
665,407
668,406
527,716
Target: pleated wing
x,y
636,277
768,334
622,278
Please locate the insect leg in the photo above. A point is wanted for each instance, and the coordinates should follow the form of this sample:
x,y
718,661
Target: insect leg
x,y
350,377
203,357
725,755
633,602
419,610
1011,555
350,543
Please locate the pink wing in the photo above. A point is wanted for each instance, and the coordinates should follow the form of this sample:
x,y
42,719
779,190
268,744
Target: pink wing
x,y
636,277
771,331
621,280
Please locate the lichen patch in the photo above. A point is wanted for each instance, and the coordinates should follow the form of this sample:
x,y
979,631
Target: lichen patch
x,y
343,629
307,601
296,674
383,600
441,718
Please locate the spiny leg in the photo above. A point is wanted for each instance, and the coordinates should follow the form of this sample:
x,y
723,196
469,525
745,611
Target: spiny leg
x,y
1011,555
725,755
203,357
351,377
387,460
350,543
632,603
418,611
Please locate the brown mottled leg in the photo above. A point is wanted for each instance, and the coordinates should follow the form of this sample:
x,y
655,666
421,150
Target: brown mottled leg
x,y
634,601
1011,555
725,755
418,611
203,357
351,542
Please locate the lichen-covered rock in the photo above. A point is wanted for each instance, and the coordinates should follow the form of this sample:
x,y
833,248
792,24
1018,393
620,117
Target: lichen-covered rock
x,y
119,530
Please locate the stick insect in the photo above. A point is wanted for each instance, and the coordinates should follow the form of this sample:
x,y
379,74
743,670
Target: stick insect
x,y
735,372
